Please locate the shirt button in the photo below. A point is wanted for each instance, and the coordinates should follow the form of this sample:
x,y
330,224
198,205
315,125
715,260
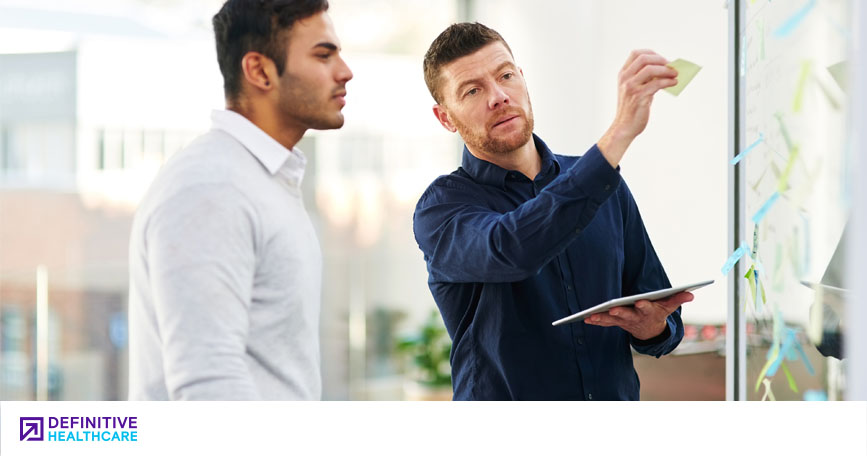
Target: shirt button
x,y
580,341
578,231
607,187
589,396
569,287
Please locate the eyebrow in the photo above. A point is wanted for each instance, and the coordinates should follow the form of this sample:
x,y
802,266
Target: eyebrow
x,y
327,45
476,80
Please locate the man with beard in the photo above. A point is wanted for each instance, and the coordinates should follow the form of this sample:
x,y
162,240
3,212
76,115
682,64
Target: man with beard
x,y
225,266
519,237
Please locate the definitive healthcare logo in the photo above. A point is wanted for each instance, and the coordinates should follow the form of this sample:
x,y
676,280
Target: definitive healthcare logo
x,y
79,429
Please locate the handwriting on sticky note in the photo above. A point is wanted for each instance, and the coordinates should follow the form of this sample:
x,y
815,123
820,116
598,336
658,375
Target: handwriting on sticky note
x,y
686,71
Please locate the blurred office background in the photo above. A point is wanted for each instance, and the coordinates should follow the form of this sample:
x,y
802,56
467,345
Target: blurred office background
x,y
96,94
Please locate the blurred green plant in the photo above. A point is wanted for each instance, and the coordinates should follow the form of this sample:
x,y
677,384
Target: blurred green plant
x,y
429,350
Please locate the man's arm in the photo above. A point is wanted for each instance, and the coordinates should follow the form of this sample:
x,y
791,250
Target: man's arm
x,y
466,242
201,256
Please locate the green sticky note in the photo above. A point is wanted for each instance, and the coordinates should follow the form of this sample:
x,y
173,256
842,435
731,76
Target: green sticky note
x,y
752,283
686,70
792,385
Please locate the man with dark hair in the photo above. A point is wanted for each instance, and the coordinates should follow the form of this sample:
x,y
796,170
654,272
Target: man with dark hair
x,y
519,237
225,265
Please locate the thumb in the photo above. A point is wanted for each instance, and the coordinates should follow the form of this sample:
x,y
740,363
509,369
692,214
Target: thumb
x,y
678,299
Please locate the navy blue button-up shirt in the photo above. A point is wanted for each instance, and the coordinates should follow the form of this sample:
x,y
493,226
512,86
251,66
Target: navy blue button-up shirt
x,y
506,256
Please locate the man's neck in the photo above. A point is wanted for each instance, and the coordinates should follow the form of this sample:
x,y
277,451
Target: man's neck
x,y
270,122
524,159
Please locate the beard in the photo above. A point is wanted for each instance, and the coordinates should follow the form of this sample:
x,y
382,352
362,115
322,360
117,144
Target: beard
x,y
483,141
304,103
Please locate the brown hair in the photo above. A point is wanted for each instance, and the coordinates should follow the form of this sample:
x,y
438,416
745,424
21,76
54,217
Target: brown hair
x,y
458,40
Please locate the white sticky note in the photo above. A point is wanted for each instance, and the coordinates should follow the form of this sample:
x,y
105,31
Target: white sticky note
x,y
686,70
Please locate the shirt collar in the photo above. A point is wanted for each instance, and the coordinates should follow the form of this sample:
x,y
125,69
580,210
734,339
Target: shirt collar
x,y
488,173
270,153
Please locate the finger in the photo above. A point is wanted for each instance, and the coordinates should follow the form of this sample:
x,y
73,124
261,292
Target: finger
x,y
645,307
653,71
642,61
626,314
603,319
650,88
671,304
655,85
634,55
680,298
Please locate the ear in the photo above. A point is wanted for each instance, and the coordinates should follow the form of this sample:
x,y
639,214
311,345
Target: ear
x,y
443,117
259,71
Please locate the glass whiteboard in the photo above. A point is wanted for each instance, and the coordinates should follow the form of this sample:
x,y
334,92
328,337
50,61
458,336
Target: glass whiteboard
x,y
794,196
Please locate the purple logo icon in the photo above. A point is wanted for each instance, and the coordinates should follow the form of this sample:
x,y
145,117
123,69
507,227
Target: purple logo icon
x,y
31,428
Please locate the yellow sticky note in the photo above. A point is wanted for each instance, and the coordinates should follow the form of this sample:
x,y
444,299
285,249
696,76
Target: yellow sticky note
x,y
798,101
686,70
783,183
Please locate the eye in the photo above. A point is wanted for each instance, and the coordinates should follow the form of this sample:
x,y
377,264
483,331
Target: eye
x,y
508,76
472,92
323,56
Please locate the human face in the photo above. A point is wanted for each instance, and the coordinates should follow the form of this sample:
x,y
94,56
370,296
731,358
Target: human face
x,y
485,99
313,85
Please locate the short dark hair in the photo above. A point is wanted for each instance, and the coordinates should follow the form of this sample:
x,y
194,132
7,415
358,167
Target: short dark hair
x,y
243,26
456,41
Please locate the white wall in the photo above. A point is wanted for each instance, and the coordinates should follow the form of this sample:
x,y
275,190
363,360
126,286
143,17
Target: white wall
x,y
571,52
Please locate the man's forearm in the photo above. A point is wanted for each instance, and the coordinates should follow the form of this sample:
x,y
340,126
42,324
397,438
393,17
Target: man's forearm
x,y
613,145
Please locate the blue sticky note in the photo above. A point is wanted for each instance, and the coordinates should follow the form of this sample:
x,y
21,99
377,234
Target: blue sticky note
x,y
787,346
748,149
760,214
794,20
744,249
815,395
804,358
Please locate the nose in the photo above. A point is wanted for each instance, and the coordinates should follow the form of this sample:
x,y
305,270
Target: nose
x,y
344,74
498,97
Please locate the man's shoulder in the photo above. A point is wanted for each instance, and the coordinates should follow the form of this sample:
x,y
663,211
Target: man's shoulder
x,y
566,160
212,152
214,165
456,185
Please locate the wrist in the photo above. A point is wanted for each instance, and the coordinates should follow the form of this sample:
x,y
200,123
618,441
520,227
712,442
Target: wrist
x,y
660,337
613,145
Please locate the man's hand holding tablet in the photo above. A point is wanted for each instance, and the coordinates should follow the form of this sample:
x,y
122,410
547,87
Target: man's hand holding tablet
x,y
643,315
645,320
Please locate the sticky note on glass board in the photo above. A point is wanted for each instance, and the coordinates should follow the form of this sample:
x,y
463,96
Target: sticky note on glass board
x,y
686,70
